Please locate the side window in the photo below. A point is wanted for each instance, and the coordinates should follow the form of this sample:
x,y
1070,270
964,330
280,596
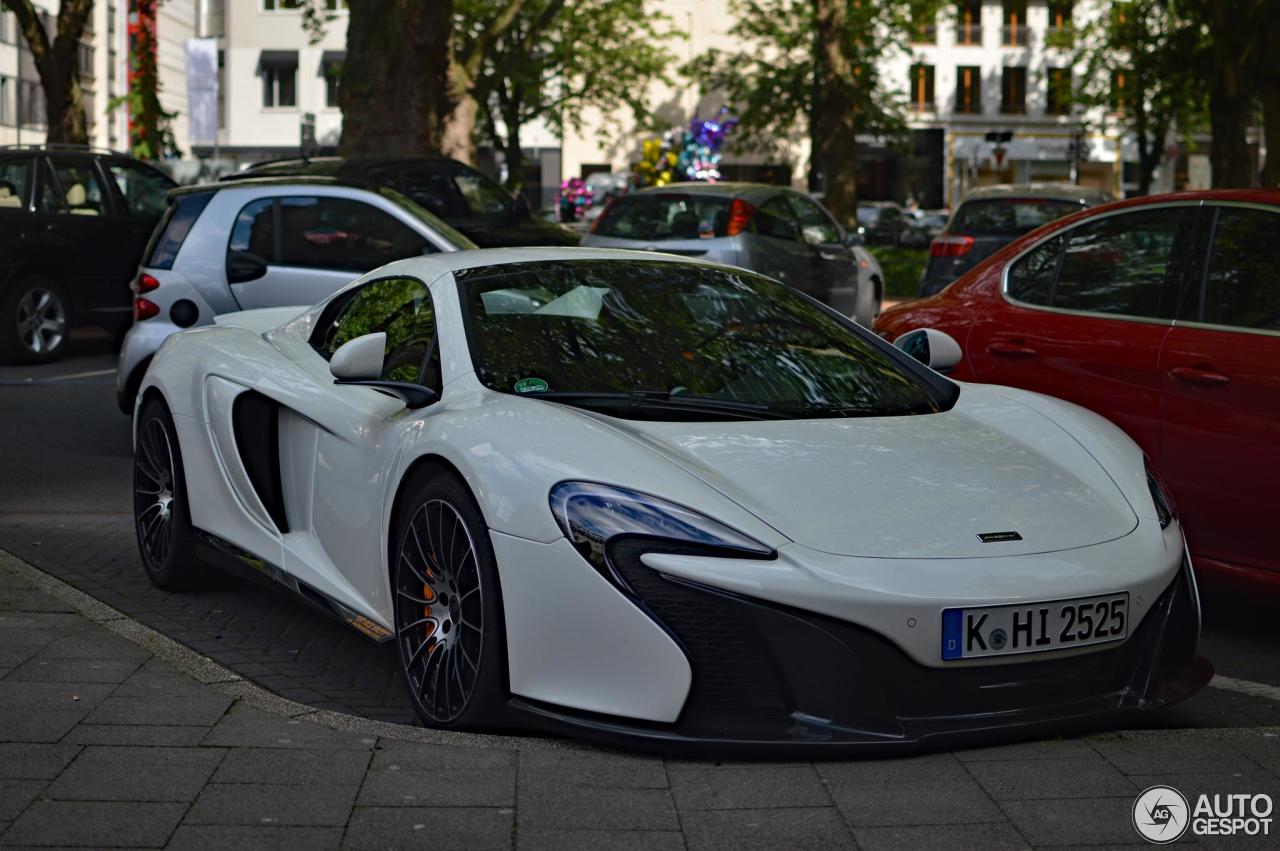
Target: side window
x,y
172,230
401,307
254,230
483,196
15,182
81,193
145,191
1120,264
1031,278
1243,285
432,190
342,233
816,226
776,218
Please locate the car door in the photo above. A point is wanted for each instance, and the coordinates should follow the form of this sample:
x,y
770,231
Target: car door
x,y
833,273
299,249
1085,313
342,446
77,231
775,247
17,226
141,195
1220,412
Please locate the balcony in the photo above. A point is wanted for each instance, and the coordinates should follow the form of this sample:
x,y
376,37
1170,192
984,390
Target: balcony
x,y
925,34
922,107
968,35
1064,36
1015,36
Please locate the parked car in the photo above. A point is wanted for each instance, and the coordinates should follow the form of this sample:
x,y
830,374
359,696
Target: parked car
x,y
466,198
1163,315
882,222
670,502
265,243
73,223
769,229
994,216
923,228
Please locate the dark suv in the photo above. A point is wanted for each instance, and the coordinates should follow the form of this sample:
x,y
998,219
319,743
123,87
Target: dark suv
x,y
990,218
465,198
73,223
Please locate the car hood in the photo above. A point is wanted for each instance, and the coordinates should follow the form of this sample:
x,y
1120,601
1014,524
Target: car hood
x,y
908,487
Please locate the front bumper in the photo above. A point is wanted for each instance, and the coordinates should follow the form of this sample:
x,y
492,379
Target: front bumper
x,y
768,677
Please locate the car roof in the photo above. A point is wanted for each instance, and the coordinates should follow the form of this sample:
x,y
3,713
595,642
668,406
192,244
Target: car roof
x,y
431,266
277,180
726,188
1049,191
341,165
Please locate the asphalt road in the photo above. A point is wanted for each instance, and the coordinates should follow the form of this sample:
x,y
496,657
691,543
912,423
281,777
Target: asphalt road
x,y
65,467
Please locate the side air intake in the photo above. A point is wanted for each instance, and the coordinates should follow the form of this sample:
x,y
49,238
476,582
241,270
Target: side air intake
x,y
256,424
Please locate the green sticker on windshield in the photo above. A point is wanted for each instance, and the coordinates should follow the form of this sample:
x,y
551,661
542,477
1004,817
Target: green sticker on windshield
x,y
531,385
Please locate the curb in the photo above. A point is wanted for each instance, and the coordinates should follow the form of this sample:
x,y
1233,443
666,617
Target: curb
x,y
204,670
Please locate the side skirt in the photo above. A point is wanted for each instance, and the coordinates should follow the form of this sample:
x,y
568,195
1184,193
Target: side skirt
x,y
260,568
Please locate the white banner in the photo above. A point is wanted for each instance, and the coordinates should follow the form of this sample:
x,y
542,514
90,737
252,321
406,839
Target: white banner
x,y
202,90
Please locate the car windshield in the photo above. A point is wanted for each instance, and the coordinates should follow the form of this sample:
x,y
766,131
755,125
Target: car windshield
x,y
431,220
664,340
868,216
660,216
1007,216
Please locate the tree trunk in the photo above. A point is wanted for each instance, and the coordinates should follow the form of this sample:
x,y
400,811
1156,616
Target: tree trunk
x,y
511,149
1270,95
834,122
395,90
1230,101
460,129
58,63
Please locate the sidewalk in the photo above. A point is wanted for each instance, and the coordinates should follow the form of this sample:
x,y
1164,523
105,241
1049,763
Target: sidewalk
x,y
112,735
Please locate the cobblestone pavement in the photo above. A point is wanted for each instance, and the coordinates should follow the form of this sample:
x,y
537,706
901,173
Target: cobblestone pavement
x,y
113,736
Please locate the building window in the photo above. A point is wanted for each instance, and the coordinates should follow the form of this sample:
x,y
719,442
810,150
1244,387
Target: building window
x,y
1060,19
8,28
6,101
331,70
969,89
969,22
1013,91
276,5
924,29
335,5
1014,31
279,78
1119,90
922,88
1058,101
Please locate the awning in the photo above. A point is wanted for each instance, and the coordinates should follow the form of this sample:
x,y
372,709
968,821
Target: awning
x,y
278,58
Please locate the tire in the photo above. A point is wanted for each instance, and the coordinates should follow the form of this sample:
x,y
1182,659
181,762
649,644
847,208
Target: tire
x,y
448,610
161,517
35,321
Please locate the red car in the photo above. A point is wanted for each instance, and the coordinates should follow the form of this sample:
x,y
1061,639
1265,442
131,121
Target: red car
x,y
1163,315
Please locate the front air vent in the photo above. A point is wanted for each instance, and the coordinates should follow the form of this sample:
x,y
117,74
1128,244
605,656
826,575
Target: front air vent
x,y
255,421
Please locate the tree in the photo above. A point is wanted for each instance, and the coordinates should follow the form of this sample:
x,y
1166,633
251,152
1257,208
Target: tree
x,y
58,63
394,91
813,65
1235,33
1144,69
554,66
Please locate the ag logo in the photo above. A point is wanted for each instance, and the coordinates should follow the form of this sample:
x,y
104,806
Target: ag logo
x,y
1161,815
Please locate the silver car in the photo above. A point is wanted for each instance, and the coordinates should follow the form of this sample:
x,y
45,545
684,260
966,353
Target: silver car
x,y
266,242
768,229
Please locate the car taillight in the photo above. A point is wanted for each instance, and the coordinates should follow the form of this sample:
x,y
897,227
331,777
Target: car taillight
x,y
145,283
740,213
144,309
950,246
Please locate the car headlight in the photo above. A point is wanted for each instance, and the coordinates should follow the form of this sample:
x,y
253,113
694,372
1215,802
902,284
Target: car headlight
x,y
1165,511
592,515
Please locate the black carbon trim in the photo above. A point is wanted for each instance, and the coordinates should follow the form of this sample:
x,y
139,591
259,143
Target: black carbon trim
x,y
255,422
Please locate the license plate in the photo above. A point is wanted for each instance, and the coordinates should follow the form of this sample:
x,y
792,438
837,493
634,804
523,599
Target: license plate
x,y
1034,627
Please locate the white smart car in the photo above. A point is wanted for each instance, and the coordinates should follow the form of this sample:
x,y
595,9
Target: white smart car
x,y
641,497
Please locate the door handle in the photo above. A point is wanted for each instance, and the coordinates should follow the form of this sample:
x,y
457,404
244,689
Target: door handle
x,y
52,228
1199,377
1011,350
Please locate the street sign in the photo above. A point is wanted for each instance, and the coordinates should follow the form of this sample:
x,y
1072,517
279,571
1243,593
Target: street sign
x,y
308,134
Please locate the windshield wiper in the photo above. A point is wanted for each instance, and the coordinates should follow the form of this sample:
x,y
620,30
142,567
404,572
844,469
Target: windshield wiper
x,y
642,397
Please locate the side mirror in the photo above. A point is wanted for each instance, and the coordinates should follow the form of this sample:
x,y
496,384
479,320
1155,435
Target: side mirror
x,y
243,266
359,359
360,362
935,349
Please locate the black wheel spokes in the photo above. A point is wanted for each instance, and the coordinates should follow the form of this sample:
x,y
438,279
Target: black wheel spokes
x,y
153,492
439,610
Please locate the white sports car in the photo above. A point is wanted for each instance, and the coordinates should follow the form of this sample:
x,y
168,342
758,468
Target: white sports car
x,y
636,496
